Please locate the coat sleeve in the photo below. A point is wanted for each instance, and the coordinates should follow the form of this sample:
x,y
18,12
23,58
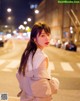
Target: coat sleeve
x,y
54,83
18,76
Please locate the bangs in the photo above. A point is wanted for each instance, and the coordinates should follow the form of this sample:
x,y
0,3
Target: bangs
x,y
45,28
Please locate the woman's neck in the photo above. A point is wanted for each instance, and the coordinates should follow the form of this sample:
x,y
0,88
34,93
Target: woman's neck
x,y
40,47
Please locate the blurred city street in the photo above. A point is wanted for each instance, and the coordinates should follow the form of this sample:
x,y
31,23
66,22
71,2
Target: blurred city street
x,y
17,18
65,65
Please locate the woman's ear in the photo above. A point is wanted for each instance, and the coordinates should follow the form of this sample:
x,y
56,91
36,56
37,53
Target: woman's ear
x,y
34,39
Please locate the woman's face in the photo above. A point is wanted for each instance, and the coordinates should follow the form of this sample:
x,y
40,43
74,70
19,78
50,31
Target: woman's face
x,y
42,40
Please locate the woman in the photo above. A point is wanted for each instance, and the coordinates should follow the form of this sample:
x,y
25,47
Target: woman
x,y
32,74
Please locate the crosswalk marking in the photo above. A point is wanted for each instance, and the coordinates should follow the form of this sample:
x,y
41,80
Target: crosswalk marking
x,y
78,64
6,70
51,67
66,66
2,61
13,64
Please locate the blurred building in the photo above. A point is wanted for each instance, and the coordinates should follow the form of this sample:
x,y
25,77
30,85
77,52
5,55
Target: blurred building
x,y
64,19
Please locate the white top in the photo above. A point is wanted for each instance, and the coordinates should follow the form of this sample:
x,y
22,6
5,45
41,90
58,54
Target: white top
x,y
33,67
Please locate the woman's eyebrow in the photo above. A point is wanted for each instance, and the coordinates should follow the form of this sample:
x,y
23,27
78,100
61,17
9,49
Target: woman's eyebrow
x,y
43,33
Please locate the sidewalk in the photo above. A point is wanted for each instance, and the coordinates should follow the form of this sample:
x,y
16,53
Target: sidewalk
x,y
78,49
13,99
67,95
62,95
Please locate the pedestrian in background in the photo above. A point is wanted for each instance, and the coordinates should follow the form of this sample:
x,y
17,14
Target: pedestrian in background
x,y
34,81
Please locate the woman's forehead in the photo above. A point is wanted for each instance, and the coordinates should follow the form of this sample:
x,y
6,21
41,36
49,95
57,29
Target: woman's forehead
x,y
43,31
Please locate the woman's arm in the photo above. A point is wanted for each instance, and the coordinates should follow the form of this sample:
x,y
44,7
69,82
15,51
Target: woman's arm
x,y
44,63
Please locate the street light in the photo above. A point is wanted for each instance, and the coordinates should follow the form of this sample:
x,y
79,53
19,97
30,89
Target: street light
x,y
6,26
9,18
21,27
9,10
25,22
29,19
36,11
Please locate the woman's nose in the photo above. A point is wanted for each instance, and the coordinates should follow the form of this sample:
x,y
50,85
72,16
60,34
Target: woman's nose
x,y
47,38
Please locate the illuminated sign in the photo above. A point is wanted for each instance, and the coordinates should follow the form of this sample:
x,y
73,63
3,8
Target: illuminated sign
x,y
68,1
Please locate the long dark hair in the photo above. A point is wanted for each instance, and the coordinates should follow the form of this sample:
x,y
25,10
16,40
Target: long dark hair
x,y
31,46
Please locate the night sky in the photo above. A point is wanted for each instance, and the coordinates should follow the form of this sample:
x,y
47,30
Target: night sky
x,y
20,10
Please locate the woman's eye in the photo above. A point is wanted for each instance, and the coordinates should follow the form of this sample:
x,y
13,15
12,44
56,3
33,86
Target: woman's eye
x,y
42,35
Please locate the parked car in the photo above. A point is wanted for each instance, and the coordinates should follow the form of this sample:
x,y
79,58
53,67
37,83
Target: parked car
x,y
52,42
58,44
71,46
1,43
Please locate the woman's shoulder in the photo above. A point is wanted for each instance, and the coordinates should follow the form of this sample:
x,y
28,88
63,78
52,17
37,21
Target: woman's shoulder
x,y
40,53
39,56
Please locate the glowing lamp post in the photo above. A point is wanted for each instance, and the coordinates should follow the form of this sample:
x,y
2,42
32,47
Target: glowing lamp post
x,y
36,11
9,10
29,19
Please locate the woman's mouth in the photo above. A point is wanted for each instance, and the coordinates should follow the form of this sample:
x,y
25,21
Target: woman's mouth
x,y
46,43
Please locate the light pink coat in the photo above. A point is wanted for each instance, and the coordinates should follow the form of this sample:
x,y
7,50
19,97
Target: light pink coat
x,y
35,69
